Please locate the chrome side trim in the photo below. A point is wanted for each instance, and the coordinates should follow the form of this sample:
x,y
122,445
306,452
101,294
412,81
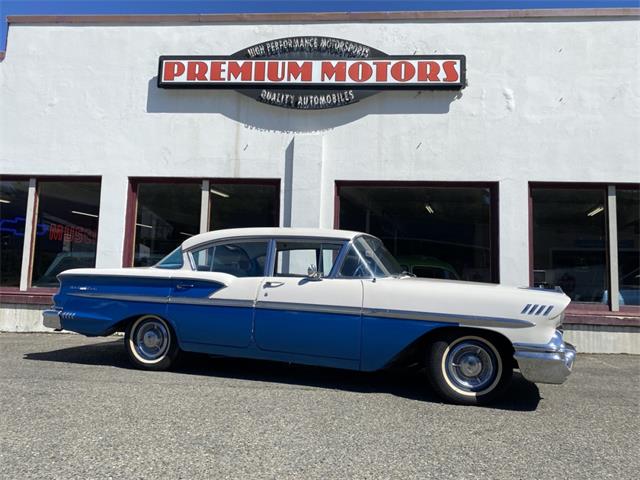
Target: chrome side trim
x,y
309,307
123,297
216,302
549,363
463,320
219,302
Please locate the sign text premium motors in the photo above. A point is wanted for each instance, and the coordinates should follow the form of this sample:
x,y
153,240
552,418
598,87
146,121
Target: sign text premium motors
x,y
312,73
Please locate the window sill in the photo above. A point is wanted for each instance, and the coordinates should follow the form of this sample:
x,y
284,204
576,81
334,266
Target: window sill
x,y
596,314
39,296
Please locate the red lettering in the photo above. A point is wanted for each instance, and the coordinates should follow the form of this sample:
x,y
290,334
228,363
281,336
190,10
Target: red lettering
x,y
360,71
403,71
258,71
55,232
381,70
196,71
301,72
275,71
236,70
172,70
215,71
77,235
336,71
451,74
428,71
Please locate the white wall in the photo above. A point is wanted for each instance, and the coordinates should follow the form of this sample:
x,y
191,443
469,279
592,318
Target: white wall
x,y
548,100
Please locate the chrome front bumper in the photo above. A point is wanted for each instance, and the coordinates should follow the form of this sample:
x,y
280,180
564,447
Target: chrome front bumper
x,y
51,319
550,363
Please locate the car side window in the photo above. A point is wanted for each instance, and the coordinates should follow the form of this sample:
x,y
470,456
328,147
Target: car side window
x,y
353,266
172,261
241,259
293,258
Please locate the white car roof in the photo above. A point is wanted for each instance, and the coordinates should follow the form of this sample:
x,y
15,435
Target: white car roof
x,y
268,232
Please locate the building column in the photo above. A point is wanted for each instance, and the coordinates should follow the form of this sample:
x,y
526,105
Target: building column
x,y
111,221
301,195
514,232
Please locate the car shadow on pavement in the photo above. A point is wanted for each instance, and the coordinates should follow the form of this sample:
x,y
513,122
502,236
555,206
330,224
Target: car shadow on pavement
x,y
522,396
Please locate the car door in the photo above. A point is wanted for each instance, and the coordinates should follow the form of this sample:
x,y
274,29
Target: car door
x,y
313,317
214,304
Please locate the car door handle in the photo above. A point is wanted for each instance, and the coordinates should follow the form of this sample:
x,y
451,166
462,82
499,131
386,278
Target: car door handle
x,y
184,286
271,284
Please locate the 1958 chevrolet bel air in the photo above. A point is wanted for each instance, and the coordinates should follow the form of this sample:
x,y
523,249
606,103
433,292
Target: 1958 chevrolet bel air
x,y
320,297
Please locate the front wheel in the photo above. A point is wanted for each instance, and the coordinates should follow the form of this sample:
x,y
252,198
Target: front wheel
x,y
467,369
150,343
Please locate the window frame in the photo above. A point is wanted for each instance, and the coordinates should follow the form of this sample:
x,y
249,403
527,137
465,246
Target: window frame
x,y
128,252
609,191
26,292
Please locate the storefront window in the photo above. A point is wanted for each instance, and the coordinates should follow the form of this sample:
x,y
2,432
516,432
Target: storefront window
x,y
628,208
243,205
570,241
168,214
438,232
13,210
66,229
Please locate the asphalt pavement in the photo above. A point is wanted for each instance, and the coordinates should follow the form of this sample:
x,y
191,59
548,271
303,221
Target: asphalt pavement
x,y
71,407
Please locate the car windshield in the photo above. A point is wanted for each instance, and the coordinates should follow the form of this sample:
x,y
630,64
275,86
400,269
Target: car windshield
x,y
377,258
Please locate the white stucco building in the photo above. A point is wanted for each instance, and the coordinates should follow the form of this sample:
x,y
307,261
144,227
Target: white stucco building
x,y
527,176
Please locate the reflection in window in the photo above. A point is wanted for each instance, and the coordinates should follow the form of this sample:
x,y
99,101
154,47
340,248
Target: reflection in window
x,y
244,205
13,210
241,259
569,241
67,229
168,214
441,230
353,266
628,208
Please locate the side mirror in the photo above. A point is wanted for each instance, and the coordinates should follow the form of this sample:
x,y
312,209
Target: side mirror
x,y
313,273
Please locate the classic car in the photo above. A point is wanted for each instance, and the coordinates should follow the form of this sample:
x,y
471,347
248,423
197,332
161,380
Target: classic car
x,y
319,297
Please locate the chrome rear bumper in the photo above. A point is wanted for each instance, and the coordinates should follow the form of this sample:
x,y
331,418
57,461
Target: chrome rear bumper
x,y
51,319
550,363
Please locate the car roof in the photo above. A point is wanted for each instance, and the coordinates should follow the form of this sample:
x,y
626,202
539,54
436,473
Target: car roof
x,y
268,232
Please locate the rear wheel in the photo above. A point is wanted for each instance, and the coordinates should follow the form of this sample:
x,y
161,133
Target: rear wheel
x,y
150,343
467,369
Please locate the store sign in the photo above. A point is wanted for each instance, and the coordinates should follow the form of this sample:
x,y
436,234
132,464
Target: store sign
x,y
312,73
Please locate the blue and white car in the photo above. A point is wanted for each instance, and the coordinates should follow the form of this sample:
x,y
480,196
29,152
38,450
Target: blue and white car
x,y
319,297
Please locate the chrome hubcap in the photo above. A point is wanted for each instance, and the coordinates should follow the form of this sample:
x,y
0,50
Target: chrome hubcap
x,y
151,340
471,365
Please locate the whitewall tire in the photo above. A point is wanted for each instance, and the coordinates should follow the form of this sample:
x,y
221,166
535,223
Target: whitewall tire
x,y
467,369
151,343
